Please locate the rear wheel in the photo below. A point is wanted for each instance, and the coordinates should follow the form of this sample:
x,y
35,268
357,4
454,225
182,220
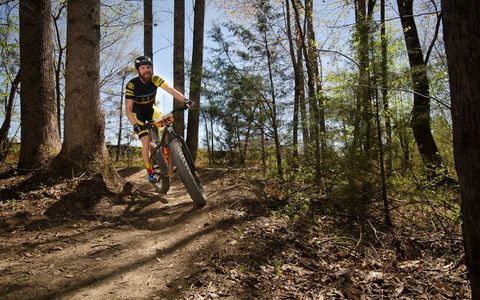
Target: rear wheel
x,y
189,179
158,161
163,185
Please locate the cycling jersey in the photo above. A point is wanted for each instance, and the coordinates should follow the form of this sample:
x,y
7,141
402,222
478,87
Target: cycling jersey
x,y
143,96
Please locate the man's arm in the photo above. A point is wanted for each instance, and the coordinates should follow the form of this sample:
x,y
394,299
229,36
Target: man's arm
x,y
129,111
176,94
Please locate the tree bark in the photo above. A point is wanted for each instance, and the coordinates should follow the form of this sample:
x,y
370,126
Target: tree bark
x,y
196,78
212,148
40,138
313,61
312,99
148,28
301,94
120,117
207,138
386,110
298,79
179,61
364,112
462,41
381,157
264,152
420,122
8,114
58,67
83,146
278,154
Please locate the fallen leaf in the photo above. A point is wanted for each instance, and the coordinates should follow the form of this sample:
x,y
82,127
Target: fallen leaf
x,y
409,264
375,276
399,290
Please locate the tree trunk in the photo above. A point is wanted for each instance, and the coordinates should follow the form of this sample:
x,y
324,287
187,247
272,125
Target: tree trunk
x,y
384,75
120,117
313,61
364,102
301,94
58,67
40,139
179,61
211,140
405,147
312,99
278,154
381,157
196,77
420,121
148,28
298,78
207,138
264,153
250,120
8,114
462,41
83,146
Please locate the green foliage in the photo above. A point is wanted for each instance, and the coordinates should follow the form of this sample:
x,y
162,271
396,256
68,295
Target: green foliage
x,y
9,49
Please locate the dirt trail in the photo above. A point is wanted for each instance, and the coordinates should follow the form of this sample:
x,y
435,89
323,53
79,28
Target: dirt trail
x,y
135,247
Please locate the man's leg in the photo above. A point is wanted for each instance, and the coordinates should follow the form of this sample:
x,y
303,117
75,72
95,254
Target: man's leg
x,y
146,157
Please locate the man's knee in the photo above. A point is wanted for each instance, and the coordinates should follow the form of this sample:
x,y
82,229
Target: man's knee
x,y
145,141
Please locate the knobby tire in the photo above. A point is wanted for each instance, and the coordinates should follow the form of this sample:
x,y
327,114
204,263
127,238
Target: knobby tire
x,y
189,179
164,183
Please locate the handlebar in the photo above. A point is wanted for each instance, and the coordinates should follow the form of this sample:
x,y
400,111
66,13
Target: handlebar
x,y
166,118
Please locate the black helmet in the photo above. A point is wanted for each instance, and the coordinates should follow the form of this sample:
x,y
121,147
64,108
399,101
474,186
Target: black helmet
x,y
142,60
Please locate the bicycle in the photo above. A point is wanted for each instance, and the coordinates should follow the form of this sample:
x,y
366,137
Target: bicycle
x,y
171,151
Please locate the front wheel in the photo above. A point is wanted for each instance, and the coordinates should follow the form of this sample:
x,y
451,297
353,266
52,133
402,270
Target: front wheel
x,y
193,186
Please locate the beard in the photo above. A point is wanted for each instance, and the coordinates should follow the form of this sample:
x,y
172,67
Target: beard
x,y
146,77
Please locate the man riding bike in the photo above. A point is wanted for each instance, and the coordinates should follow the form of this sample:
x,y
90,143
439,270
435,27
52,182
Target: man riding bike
x,y
140,108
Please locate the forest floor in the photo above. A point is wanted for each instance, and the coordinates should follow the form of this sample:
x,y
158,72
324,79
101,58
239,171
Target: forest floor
x,y
67,240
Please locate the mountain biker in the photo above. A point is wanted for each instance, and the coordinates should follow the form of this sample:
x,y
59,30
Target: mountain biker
x,y
140,108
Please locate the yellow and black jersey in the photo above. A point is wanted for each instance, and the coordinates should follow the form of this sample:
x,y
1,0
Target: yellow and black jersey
x,y
143,96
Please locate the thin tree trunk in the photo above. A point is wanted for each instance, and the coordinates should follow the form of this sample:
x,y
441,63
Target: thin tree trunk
x,y
178,62
313,103
83,146
363,104
148,28
120,117
264,154
196,77
312,55
381,150
8,113
250,120
420,121
462,41
58,68
404,144
211,139
40,138
278,154
386,110
298,78
207,138
386,205
301,92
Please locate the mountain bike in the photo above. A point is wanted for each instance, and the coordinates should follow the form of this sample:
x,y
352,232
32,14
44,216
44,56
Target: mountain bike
x,y
169,153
